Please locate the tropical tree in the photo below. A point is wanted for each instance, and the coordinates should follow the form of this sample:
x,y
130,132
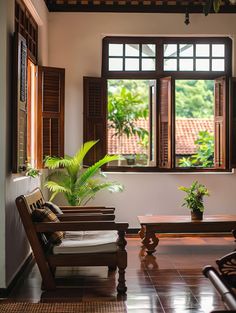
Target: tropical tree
x,y
194,98
77,184
124,109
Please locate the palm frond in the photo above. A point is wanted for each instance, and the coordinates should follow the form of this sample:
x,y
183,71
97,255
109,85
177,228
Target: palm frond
x,y
93,170
56,188
58,176
89,193
76,163
56,162
84,150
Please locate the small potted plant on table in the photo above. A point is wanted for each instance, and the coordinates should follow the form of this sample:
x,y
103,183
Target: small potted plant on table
x,y
194,199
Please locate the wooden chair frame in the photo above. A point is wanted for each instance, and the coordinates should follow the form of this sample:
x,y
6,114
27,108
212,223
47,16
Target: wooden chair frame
x,y
224,280
73,219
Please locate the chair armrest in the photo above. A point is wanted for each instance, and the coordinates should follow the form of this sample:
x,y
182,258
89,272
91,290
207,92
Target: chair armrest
x,y
221,286
84,209
227,268
86,217
84,225
107,211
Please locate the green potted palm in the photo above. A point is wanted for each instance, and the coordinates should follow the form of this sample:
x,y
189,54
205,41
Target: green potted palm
x,y
194,199
76,183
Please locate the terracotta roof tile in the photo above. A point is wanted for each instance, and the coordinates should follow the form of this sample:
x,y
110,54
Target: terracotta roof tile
x,y
187,130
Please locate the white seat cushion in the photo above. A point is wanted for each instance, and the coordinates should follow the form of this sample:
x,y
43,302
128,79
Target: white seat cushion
x,y
87,242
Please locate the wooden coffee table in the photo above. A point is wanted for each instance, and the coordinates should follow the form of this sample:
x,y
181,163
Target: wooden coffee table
x,y
150,225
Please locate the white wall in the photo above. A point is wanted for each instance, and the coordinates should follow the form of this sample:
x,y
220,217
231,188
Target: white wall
x,y
75,43
3,97
13,243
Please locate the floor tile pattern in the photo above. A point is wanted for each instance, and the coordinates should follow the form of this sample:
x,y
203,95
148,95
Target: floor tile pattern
x,y
170,281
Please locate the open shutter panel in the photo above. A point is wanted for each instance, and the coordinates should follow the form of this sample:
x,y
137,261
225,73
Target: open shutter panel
x,y
51,90
220,120
20,105
95,117
233,123
165,108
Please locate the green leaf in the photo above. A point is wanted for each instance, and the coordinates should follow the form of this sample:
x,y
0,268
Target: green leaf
x,y
78,185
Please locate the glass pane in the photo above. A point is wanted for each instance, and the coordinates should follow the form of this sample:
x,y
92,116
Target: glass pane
x,y
194,123
170,64
170,50
202,50
148,50
115,64
132,64
131,106
132,50
218,50
202,65
186,64
186,50
218,64
115,50
148,65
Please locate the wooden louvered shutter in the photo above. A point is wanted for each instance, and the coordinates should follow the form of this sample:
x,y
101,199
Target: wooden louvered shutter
x,y
233,123
95,117
220,120
51,90
165,125
20,105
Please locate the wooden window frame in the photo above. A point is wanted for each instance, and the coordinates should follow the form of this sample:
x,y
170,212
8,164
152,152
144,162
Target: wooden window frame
x,y
28,28
159,73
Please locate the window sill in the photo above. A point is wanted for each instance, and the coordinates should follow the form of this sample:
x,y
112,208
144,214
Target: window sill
x,y
167,171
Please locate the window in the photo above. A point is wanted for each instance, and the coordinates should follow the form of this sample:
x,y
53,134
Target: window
x,y
163,104
38,104
194,57
28,28
131,57
131,121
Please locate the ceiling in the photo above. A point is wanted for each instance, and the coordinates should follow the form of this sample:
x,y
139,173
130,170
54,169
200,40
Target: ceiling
x,y
148,6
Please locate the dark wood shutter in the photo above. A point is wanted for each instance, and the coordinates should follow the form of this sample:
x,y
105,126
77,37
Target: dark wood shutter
x,y
19,104
233,123
95,100
165,125
220,123
51,93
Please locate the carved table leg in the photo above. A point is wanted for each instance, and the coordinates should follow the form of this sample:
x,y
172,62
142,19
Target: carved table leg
x,y
150,241
142,232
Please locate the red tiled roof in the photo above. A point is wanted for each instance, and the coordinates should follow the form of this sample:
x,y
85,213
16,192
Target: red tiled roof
x,y
187,130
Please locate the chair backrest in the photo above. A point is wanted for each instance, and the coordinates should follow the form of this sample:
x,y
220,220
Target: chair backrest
x,y
25,205
33,200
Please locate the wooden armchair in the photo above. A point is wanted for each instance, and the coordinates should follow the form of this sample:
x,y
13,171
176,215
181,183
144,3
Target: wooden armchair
x,y
109,250
224,279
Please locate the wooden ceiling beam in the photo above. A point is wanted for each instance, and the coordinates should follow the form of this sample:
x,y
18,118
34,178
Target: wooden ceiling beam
x,y
133,6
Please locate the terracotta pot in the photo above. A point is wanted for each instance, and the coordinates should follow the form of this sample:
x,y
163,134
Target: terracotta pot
x,y
196,215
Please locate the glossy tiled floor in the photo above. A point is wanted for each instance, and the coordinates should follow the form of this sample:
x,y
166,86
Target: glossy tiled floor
x,y
169,281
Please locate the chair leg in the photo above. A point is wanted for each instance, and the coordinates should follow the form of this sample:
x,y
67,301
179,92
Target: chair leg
x,y
122,264
48,279
112,268
121,288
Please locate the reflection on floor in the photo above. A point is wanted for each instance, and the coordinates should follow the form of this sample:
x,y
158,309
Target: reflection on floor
x,y
169,281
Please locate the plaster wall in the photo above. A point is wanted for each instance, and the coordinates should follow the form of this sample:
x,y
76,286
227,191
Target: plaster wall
x,y
75,43
3,99
15,247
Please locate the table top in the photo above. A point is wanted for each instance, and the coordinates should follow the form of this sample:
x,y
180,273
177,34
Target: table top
x,y
184,219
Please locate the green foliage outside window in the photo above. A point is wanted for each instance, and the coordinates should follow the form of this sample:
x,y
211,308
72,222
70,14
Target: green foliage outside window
x,y
127,103
204,156
194,98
